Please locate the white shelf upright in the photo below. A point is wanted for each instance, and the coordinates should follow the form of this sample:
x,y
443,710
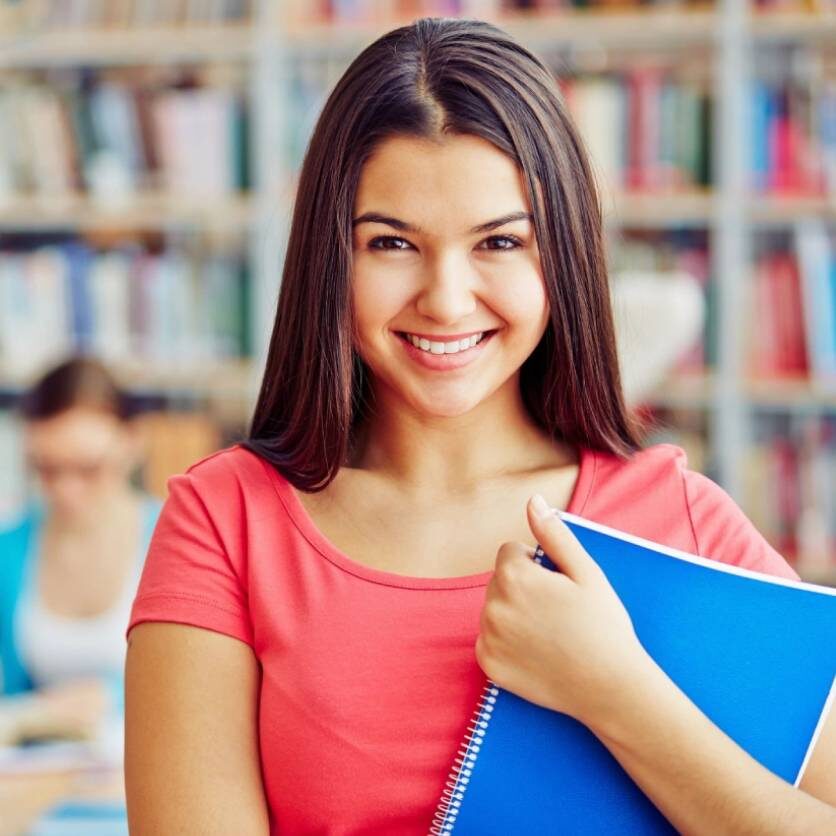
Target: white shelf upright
x,y
731,239
269,98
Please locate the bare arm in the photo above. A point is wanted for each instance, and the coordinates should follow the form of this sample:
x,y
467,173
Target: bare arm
x,y
702,780
191,743
819,778
564,640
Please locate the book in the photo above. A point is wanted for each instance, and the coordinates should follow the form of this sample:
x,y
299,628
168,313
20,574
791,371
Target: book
x,y
755,653
791,138
777,336
171,308
114,134
789,490
817,265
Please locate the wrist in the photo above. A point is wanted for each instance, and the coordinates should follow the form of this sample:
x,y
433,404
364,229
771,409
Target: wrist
x,y
630,700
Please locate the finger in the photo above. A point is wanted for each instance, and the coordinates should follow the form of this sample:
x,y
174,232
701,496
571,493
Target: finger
x,y
558,542
513,550
515,565
513,559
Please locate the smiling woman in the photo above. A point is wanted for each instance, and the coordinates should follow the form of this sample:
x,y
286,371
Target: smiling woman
x,y
444,161
466,259
320,604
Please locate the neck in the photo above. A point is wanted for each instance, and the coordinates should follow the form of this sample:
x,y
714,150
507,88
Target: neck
x,y
496,439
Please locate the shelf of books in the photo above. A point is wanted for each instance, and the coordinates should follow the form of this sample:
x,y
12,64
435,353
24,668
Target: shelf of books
x,y
712,128
128,208
788,342
344,28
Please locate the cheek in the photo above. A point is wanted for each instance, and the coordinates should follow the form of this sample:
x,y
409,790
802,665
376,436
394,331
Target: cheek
x,y
522,304
516,293
377,301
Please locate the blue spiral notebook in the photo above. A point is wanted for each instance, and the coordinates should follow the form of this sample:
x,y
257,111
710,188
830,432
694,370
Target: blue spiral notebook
x,y
756,654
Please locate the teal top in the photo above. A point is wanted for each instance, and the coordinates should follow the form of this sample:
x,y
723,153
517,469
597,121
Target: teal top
x,y
18,559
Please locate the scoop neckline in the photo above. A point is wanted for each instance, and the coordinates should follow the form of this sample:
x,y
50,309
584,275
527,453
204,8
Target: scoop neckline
x,y
302,520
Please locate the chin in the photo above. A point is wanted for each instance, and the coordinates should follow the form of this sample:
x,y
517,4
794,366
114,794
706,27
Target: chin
x,y
450,407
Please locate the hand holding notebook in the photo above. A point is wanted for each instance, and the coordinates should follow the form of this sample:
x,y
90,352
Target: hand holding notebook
x,y
753,654
557,639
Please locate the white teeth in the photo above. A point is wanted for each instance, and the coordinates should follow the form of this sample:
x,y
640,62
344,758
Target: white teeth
x,y
445,348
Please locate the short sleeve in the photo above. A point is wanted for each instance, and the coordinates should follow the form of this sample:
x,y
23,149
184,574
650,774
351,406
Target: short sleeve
x,y
723,532
191,573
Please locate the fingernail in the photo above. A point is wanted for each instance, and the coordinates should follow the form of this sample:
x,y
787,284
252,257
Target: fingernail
x,y
540,506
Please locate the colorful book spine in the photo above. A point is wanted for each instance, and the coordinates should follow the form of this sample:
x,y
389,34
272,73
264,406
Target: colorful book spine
x,y
647,129
792,307
123,305
817,262
790,490
114,137
776,323
793,136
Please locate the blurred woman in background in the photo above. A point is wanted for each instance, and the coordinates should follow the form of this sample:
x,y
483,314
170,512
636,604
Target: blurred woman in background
x,y
70,565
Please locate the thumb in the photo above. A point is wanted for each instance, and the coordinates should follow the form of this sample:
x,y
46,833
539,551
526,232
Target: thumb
x,y
558,542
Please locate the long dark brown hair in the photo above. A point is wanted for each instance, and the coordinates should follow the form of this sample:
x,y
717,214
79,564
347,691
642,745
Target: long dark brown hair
x,y
438,76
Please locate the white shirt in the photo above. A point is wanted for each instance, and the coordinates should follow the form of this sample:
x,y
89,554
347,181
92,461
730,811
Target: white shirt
x,y
54,648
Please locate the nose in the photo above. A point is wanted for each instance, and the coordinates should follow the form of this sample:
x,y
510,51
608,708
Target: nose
x,y
447,295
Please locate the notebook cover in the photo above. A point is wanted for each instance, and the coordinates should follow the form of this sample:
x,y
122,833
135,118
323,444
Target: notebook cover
x,y
755,653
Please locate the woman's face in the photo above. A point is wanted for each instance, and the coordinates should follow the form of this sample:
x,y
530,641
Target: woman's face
x,y
445,250
80,457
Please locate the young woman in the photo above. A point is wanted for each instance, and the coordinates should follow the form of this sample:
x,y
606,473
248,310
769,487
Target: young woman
x,y
70,565
320,605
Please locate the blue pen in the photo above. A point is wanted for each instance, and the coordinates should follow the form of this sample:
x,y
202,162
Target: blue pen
x,y
543,559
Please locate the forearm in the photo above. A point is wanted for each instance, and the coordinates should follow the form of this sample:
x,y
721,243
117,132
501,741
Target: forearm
x,y
699,778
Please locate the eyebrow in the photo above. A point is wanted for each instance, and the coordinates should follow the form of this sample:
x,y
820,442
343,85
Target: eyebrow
x,y
403,226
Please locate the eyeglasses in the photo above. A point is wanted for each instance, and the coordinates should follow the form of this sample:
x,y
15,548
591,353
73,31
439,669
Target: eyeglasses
x,y
87,471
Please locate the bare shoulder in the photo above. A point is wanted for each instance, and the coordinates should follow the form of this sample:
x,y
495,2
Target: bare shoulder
x,y
191,733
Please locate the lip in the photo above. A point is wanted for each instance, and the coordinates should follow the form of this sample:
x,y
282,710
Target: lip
x,y
445,338
444,362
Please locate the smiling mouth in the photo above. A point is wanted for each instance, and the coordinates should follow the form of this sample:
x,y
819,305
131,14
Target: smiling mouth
x,y
485,335
450,347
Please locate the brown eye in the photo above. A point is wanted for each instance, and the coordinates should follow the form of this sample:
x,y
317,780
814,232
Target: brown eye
x,y
388,242
503,242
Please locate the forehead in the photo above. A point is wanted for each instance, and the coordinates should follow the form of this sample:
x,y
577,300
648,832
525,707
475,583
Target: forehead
x,y
459,181
76,430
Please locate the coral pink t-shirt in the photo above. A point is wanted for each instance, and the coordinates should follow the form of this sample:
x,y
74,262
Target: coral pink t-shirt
x,y
369,677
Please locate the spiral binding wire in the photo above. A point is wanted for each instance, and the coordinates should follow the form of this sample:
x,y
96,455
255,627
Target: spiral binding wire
x,y
450,804
448,808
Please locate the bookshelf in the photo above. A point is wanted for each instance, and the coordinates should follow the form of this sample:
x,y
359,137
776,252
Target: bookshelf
x,y
275,44
109,47
147,210
542,31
